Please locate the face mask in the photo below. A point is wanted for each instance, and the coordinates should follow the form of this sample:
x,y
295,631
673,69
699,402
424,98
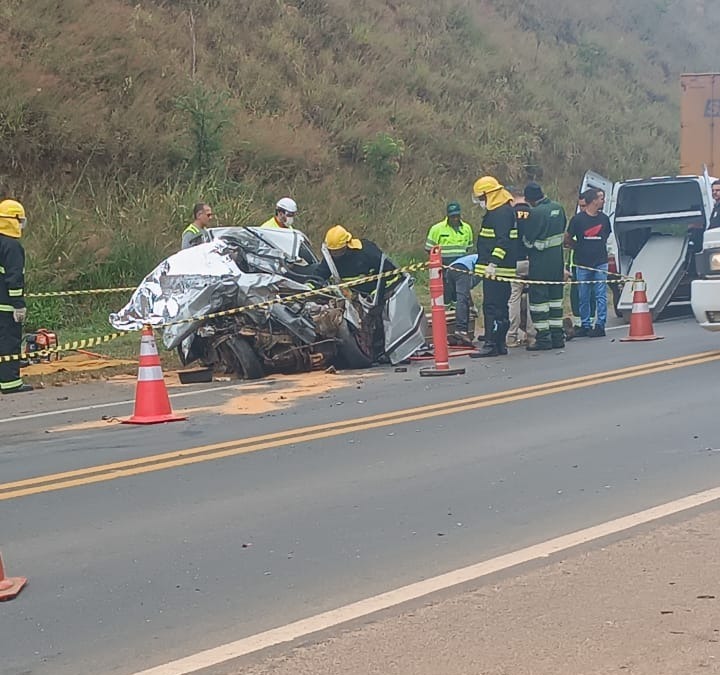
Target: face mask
x,y
289,220
482,203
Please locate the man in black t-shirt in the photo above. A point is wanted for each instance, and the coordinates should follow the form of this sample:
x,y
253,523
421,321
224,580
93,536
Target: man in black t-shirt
x,y
587,235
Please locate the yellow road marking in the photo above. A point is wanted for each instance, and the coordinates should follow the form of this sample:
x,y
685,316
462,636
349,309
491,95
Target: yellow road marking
x,y
141,465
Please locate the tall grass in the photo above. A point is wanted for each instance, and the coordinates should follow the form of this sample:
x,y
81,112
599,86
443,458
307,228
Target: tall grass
x,y
118,116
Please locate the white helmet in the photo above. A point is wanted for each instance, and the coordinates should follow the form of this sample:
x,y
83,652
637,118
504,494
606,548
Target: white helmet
x,y
288,205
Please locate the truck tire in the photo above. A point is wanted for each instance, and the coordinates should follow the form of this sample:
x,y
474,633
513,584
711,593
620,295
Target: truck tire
x,y
249,365
351,352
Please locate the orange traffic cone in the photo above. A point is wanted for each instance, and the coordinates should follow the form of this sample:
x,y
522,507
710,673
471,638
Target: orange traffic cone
x,y
641,328
9,586
439,321
152,404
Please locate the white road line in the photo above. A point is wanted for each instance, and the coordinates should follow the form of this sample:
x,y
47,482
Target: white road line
x,y
98,406
364,608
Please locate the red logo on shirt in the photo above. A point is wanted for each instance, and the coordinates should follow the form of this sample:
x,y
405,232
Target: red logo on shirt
x,y
593,232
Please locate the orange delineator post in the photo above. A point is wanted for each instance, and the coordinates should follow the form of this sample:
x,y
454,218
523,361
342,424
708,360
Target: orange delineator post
x,y
439,320
9,586
152,403
641,328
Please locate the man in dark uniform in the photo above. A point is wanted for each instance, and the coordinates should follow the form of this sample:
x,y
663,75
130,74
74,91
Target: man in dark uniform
x,y
543,235
497,259
356,258
12,294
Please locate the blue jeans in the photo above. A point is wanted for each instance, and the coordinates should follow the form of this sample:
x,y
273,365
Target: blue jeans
x,y
597,291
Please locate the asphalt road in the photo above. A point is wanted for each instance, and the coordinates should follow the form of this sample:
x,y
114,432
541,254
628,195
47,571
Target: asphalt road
x,y
143,562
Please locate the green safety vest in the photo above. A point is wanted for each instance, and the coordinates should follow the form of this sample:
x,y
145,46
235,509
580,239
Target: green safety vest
x,y
454,243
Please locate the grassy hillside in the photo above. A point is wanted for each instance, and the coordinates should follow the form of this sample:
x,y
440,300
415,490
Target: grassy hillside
x,y
118,114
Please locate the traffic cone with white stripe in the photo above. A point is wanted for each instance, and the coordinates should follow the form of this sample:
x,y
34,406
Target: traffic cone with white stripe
x,y
152,404
439,321
9,586
641,328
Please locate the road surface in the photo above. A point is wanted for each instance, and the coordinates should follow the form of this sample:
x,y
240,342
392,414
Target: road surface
x,y
144,545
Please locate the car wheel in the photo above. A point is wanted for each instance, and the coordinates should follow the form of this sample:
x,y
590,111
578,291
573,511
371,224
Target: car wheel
x,y
249,365
353,350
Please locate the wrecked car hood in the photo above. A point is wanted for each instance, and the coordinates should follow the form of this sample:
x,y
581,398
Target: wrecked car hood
x,y
206,278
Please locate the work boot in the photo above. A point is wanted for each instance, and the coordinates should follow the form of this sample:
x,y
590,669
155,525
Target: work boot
x,y
598,331
18,390
557,338
462,338
569,328
582,332
539,346
543,342
488,349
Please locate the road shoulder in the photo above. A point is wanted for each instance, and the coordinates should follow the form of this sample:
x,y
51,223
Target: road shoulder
x,y
645,605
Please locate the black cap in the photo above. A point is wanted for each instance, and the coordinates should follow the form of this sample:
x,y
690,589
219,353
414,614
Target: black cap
x,y
533,192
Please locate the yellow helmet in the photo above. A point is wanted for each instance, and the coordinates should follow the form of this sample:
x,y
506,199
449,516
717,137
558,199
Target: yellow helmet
x,y
338,237
12,218
483,186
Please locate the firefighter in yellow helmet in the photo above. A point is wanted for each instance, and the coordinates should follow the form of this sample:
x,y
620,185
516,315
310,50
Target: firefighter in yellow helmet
x,y
497,246
355,258
12,294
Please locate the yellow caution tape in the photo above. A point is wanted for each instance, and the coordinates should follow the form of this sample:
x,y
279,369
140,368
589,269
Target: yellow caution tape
x,y
298,296
91,291
616,276
67,347
521,280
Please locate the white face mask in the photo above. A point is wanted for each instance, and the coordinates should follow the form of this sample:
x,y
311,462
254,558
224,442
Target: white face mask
x,y
289,220
482,203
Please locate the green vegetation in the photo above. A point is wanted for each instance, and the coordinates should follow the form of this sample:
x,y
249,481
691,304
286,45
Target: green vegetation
x,y
117,116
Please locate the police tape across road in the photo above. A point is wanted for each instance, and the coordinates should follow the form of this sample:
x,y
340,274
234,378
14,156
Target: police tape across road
x,y
103,339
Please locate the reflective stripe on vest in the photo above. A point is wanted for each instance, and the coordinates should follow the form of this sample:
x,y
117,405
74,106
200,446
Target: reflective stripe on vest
x,y
499,271
544,244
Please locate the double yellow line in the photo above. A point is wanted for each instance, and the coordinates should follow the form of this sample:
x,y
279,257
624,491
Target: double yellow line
x,y
205,453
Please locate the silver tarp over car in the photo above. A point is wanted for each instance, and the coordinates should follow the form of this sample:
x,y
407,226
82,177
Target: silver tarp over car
x,y
243,266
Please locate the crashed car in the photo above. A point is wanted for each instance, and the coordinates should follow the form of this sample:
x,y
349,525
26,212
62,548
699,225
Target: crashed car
x,y
294,320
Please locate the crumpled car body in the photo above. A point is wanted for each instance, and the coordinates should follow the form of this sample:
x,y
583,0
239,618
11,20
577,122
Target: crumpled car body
x,y
243,267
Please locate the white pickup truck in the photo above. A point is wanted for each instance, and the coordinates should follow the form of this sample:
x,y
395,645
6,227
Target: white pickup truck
x,y
705,292
657,228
